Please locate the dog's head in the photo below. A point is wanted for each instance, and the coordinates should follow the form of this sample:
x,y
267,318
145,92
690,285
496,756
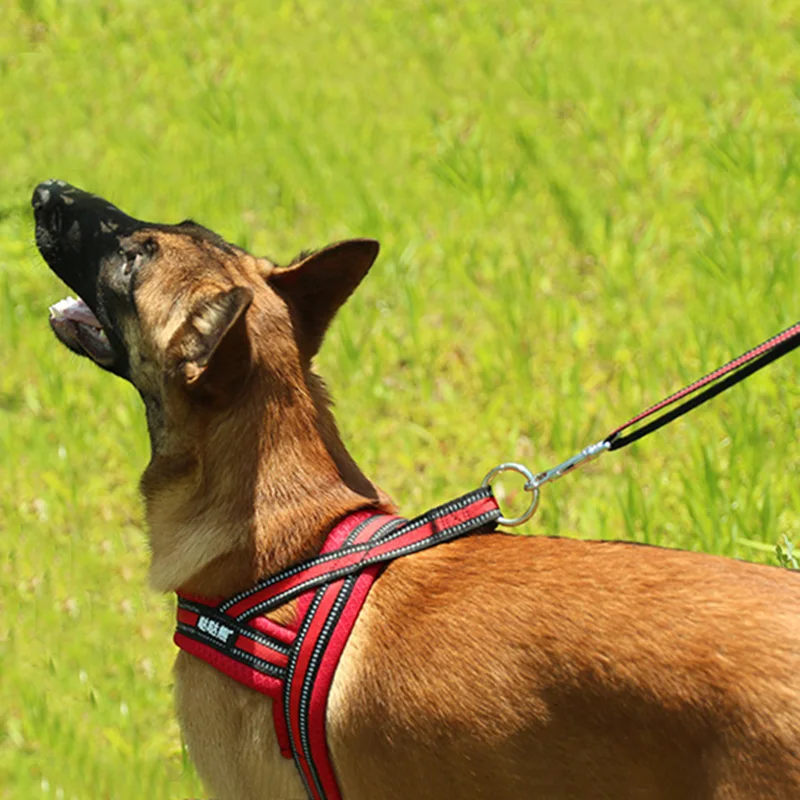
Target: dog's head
x,y
175,309
219,345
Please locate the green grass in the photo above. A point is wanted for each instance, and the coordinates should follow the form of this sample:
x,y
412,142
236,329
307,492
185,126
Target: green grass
x,y
581,208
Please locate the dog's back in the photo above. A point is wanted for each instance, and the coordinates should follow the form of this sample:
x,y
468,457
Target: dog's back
x,y
512,667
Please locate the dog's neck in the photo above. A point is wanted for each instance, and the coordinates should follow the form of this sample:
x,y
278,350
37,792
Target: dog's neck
x,y
252,492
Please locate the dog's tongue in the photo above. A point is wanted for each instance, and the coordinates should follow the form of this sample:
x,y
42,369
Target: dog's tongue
x,y
74,310
79,329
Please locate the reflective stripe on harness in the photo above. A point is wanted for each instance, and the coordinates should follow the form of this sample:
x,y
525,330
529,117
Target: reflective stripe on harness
x,y
295,664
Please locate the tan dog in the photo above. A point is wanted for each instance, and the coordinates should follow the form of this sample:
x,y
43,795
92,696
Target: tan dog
x,y
496,666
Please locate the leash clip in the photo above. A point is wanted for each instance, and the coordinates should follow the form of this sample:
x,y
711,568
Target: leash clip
x,y
587,454
533,482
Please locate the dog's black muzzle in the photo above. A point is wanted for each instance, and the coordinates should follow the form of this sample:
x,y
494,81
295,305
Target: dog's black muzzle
x,y
75,230
78,235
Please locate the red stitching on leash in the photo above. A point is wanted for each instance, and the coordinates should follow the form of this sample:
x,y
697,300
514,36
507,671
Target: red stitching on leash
x,y
767,351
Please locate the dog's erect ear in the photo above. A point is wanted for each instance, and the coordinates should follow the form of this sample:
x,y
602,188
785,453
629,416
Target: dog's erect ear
x,y
318,285
210,350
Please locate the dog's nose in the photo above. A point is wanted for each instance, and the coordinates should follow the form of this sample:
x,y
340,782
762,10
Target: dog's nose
x,y
47,201
48,193
41,196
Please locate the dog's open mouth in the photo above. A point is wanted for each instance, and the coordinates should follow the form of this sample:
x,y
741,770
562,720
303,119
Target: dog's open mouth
x,y
78,328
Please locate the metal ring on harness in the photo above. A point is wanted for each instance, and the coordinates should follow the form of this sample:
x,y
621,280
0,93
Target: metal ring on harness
x,y
530,486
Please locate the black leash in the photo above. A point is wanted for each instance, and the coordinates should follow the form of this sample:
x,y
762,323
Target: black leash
x,y
692,396
713,384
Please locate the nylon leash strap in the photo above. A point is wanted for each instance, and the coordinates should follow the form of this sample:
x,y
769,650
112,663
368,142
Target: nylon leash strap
x,y
660,414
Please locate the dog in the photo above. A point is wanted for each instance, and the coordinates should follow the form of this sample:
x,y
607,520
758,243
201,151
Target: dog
x,y
493,666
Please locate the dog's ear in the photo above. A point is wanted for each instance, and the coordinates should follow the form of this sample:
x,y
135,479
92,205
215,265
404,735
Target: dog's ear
x,y
210,351
318,285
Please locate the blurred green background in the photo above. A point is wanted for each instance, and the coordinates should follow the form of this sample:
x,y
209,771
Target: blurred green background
x,y
582,207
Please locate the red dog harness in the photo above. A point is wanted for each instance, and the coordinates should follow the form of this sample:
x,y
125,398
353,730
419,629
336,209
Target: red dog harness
x,y
295,664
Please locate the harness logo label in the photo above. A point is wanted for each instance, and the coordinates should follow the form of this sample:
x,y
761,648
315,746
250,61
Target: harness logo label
x,y
215,629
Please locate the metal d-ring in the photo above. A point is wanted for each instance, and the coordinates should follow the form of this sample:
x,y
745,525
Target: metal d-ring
x,y
531,485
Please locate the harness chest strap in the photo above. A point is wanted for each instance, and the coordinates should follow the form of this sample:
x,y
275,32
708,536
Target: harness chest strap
x,y
295,664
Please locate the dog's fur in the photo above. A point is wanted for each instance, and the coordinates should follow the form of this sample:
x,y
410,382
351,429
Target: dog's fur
x,y
495,666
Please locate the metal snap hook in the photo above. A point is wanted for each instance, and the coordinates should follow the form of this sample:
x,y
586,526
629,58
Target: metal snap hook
x,y
530,486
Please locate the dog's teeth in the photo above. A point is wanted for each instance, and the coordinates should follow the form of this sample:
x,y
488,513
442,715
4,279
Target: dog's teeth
x,y
61,305
56,310
74,310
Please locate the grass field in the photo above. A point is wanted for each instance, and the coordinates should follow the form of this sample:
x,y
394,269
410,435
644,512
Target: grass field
x,y
582,206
